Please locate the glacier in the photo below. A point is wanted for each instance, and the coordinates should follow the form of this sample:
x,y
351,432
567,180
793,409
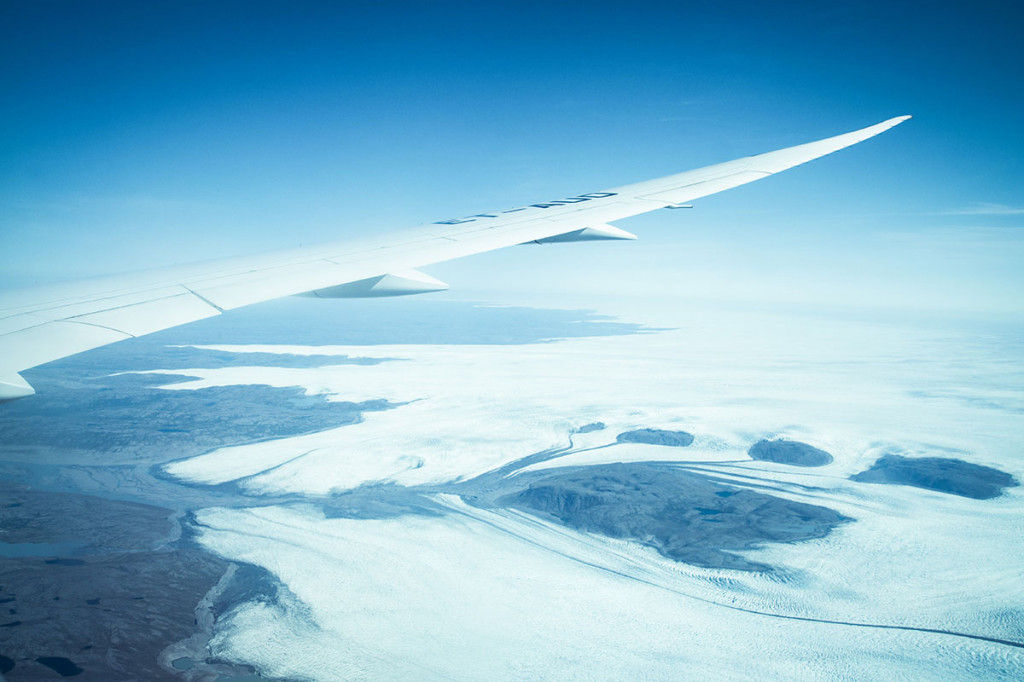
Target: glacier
x,y
920,584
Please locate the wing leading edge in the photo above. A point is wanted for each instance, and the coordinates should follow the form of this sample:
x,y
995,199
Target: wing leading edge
x,y
43,324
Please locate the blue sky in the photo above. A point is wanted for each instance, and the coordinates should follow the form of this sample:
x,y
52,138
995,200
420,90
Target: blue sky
x,y
137,134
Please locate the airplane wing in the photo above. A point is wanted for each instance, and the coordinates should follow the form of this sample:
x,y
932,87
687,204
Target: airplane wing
x,y
43,324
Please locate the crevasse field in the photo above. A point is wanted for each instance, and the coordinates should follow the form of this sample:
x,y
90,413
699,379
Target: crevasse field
x,y
396,559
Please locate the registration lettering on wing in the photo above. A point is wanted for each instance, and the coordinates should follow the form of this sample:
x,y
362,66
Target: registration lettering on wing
x,y
557,203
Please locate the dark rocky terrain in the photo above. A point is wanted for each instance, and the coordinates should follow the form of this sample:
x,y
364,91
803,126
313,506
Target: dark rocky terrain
x,y
790,452
109,609
677,439
941,474
686,516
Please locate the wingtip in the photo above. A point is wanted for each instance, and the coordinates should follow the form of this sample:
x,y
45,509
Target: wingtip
x,y
871,131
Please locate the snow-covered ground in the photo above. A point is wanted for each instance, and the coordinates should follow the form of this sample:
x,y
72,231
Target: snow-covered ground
x,y
497,594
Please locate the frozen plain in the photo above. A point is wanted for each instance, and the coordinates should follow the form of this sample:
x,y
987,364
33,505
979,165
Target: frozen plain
x,y
470,593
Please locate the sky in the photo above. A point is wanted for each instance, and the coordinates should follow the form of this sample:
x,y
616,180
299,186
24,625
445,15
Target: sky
x,y
136,135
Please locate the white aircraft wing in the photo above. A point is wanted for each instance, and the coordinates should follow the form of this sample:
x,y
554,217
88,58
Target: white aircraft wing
x,y
43,324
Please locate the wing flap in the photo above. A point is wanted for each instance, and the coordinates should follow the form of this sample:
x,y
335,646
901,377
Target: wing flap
x,y
58,339
150,316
